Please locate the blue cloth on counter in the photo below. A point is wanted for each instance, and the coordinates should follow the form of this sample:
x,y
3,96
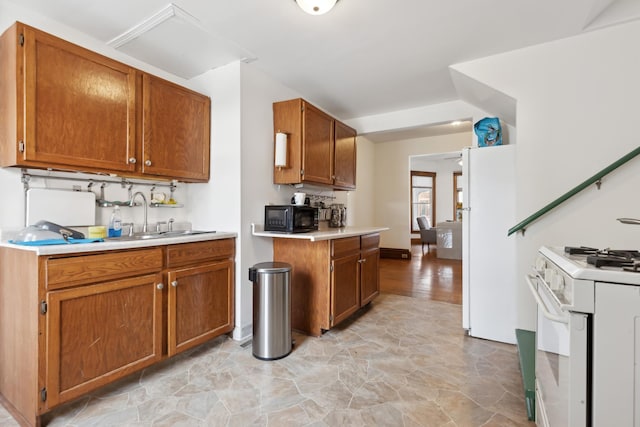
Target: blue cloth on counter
x,y
55,242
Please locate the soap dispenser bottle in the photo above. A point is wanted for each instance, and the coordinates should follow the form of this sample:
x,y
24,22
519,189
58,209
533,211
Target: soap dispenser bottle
x,y
115,223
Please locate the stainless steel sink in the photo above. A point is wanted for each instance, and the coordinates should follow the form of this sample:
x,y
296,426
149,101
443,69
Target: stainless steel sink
x,y
183,233
159,235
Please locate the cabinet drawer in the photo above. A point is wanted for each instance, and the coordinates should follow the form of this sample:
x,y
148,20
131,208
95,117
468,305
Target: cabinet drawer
x,y
190,253
79,270
370,241
341,247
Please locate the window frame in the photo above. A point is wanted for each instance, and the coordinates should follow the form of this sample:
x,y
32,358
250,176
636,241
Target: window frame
x,y
457,176
414,225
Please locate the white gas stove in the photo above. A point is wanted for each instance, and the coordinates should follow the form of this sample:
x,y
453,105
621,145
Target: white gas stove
x,y
587,366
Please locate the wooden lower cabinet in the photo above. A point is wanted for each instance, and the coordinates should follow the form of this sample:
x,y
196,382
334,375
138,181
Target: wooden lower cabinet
x,y
207,290
76,322
369,268
330,279
101,332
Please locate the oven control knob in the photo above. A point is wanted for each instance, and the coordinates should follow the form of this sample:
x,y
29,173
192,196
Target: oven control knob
x,y
557,282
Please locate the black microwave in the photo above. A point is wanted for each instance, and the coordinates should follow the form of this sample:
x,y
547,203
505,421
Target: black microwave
x,y
290,218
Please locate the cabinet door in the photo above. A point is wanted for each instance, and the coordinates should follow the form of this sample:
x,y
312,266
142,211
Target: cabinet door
x,y
200,304
98,333
345,157
345,287
369,277
317,150
79,107
175,131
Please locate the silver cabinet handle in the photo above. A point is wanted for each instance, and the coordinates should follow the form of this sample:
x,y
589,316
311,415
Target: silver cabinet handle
x,y
147,162
132,160
174,283
160,286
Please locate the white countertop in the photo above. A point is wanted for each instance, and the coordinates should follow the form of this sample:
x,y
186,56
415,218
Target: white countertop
x,y
111,245
328,234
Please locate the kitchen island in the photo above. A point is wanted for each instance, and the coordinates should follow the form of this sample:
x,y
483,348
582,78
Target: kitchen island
x,y
334,273
75,317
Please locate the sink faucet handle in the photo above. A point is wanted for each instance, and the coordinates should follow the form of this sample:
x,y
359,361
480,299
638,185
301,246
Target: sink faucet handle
x,y
171,221
130,225
158,224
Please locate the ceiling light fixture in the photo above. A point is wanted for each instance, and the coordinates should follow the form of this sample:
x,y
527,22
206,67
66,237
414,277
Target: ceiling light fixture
x,y
316,7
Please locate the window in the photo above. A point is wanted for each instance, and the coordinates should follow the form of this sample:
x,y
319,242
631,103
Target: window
x,y
457,196
423,197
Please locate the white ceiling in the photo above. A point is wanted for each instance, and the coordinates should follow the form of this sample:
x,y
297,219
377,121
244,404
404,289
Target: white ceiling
x,y
364,57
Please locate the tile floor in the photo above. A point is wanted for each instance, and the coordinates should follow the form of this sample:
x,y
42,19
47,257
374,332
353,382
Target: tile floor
x,y
400,362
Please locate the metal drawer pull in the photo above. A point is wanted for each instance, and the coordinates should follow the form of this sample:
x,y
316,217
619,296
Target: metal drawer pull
x,y
174,283
160,286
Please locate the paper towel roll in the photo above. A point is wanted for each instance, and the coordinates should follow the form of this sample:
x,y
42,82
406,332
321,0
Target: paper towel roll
x,y
281,149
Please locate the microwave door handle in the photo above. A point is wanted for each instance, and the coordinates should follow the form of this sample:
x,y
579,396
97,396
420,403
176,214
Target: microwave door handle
x,y
545,311
286,214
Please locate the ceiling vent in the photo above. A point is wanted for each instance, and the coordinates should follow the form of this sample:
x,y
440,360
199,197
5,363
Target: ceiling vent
x,y
175,41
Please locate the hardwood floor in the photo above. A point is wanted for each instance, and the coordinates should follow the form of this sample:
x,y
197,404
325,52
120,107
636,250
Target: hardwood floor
x,y
424,276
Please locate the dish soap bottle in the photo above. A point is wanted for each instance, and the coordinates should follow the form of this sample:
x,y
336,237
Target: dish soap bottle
x,y
115,223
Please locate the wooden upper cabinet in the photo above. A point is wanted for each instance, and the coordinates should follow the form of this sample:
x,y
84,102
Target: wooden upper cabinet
x,y
345,157
73,107
175,131
320,149
66,107
317,146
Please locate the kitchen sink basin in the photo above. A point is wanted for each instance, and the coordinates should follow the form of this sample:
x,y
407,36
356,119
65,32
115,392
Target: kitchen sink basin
x,y
183,233
159,235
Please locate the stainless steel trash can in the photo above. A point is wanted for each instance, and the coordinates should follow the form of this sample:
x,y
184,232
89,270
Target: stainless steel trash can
x,y
271,310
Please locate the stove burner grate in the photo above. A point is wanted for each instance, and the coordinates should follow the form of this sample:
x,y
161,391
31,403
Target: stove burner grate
x,y
580,250
626,259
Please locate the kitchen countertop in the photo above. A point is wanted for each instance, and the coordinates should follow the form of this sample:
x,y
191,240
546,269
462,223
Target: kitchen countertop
x,y
112,245
326,234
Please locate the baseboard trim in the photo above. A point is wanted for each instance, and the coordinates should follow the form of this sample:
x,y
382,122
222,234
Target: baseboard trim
x,y
395,253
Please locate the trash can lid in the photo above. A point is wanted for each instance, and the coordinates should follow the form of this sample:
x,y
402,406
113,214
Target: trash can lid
x,y
272,267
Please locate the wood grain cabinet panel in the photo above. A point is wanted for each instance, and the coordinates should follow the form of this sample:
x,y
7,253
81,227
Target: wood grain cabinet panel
x,y
200,304
73,271
369,275
345,289
72,107
200,295
66,107
345,157
101,332
317,149
175,131
190,253
330,279
320,149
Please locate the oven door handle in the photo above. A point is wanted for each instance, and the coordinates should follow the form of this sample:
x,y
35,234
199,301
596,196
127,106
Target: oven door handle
x,y
545,311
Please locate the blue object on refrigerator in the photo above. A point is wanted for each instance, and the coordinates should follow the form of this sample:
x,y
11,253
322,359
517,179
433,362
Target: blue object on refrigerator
x,y
489,132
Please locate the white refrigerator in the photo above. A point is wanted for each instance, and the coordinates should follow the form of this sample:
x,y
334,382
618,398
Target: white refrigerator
x,y
488,256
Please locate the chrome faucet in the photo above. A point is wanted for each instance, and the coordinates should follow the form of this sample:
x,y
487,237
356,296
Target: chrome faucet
x,y
144,204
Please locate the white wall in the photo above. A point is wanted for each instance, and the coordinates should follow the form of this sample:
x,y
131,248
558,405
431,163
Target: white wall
x,y
392,181
576,114
241,170
362,202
